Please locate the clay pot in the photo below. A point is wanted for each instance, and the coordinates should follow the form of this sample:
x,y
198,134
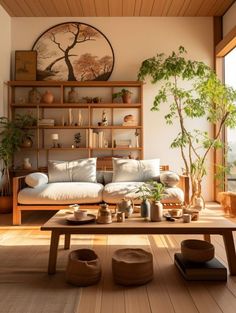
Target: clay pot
x,y
156,211
5,204
126,97
27,165
47,97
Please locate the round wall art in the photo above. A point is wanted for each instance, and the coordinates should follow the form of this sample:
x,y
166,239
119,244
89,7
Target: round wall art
x,y
73,51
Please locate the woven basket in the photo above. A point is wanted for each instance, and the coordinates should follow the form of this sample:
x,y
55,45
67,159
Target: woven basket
x,y
132,267
83,268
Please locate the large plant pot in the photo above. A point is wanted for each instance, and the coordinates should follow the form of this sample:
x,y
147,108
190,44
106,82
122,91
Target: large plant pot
x,y
5,204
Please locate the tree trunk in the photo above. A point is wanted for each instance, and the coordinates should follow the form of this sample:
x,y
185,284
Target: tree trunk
x,y
71,75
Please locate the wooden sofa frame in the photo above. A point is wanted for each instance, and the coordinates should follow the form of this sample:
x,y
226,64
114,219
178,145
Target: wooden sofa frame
x,y
19,183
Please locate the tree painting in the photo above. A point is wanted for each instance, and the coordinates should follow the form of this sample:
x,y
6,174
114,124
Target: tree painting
x,y
73,51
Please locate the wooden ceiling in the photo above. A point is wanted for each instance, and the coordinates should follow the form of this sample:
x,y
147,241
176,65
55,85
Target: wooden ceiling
x,y
77,8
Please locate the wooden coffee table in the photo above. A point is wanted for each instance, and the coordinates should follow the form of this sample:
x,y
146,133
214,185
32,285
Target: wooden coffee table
x,y
210,223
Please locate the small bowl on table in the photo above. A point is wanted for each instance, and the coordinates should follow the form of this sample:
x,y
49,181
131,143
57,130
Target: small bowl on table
x,y
198,251
175,213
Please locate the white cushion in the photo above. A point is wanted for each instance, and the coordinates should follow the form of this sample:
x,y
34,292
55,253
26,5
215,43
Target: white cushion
x,y
125,170
83,170
169,179
37,179
115,192
62,193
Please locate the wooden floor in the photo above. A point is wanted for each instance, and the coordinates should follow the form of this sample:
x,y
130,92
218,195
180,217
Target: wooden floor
x,y
25,286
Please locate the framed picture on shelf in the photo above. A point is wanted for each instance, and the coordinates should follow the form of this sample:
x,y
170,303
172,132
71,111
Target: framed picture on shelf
x,y
25,65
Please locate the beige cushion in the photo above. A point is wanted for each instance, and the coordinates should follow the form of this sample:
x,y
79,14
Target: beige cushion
x,y
115,192
62,193
36,179
125,170
169,179
83,170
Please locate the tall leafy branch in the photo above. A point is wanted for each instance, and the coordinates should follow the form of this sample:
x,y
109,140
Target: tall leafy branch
x,y
192,90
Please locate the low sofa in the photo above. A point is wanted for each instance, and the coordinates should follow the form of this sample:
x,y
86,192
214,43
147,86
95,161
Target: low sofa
x,y
56,190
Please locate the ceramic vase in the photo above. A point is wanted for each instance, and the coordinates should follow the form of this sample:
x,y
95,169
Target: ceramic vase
x,y
145,208
72,95
156,211
34,96
47,97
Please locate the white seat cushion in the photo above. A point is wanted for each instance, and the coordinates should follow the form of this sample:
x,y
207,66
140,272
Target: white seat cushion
x,y
62,193
115,192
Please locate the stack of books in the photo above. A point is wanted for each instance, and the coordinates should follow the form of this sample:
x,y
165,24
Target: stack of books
x,y
95,139
46,122
211,270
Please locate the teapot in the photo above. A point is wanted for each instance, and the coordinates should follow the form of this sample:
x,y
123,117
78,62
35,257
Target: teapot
x,y
127,206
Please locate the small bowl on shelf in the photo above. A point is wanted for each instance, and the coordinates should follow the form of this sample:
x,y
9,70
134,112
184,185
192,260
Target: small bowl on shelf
x,y
198,251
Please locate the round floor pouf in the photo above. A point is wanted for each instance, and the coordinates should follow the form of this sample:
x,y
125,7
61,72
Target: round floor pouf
x,y
132,266
83,268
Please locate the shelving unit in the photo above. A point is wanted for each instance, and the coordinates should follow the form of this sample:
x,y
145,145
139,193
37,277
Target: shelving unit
x,y
91,113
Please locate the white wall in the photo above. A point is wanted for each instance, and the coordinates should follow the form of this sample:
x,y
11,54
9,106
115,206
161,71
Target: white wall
x,y
133,40
5,57
229,19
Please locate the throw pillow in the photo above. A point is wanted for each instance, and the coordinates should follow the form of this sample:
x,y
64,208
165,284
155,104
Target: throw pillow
x,y
83,170
126,170
169,179
37,179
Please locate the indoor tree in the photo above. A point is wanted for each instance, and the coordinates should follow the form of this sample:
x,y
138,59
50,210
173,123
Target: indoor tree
x,y
192,90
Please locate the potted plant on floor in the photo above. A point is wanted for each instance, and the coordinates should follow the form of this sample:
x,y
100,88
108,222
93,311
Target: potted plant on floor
x,y
191,90
12,134
125,94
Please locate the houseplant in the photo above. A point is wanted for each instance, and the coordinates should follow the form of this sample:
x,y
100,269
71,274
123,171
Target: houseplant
x,y
125,94
25,123
143,191
192,90
12,134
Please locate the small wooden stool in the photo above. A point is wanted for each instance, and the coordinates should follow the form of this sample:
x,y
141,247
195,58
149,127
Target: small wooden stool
x,y
83,268
132,266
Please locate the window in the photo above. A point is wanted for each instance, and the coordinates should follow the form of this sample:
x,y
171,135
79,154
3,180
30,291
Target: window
x,y
230,80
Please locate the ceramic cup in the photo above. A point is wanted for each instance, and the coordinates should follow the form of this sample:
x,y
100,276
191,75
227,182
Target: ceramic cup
x,y
80,214
187,218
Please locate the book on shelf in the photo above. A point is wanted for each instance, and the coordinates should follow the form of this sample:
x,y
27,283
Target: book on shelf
x,y
211,270
95,139
46,122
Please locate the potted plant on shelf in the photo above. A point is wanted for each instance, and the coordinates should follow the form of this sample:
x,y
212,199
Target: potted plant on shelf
x,y
24,123
125,94
191,90
77,139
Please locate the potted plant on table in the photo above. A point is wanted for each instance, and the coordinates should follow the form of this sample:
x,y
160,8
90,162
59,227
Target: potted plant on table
x,y
191,90
125,94
143,191
151,194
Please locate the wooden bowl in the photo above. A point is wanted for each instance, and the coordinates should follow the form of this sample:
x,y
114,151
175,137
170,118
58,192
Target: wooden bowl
x,y
198,251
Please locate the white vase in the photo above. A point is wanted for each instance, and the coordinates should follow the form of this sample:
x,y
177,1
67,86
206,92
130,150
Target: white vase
x,y
156,211
27,165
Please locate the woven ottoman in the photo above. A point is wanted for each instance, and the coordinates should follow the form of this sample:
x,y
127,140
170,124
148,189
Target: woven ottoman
x,y
83,268
132,266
